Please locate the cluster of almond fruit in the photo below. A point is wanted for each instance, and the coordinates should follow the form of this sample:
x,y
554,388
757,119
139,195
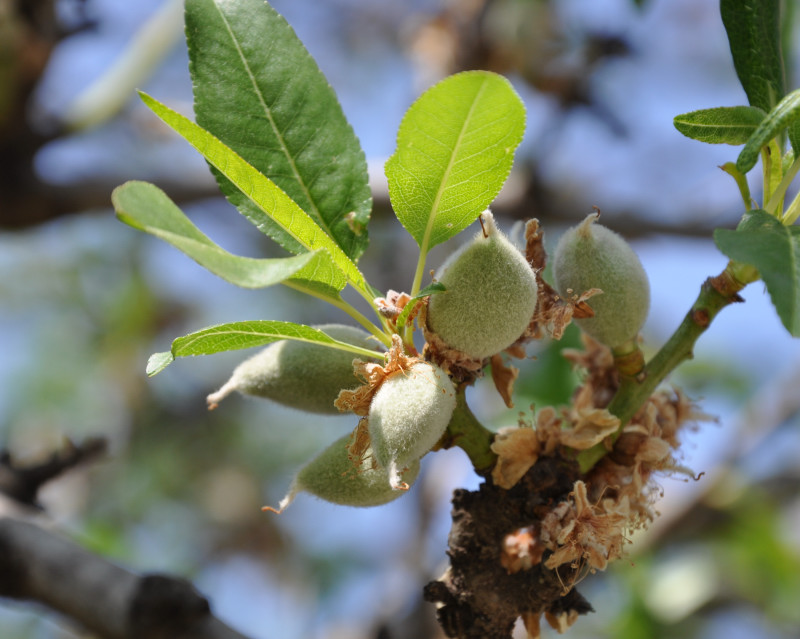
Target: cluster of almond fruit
x,y
487,304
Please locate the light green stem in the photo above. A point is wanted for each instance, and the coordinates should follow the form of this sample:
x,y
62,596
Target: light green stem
x,y
418,274
339,303
793,212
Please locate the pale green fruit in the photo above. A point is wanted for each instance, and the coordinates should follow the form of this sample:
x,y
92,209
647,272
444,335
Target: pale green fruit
x,y
334,477
299,374
408,415
591,256
490,295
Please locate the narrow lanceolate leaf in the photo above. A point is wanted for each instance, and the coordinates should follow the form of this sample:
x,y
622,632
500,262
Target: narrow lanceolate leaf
x,y
146,207
258,90
454,151
786,112
774,249
722,125
753,28
238,335
261,190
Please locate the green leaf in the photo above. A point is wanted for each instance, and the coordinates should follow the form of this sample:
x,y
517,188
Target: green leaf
x,y
146,207
721,125
262,191
239,335
258,90
786,112
774,249
753,28
454,151
794,137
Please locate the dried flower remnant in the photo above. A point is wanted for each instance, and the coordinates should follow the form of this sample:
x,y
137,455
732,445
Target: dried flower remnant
x,y
504,375
554,312
393,304
589,426
517,450
581,533
358,400
522,550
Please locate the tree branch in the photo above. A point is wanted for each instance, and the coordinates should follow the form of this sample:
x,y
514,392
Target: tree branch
x,y
39,565
22,483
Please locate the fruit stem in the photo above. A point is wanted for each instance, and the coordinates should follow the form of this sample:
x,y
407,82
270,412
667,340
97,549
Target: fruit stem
x,y
628,358
466,432
715,294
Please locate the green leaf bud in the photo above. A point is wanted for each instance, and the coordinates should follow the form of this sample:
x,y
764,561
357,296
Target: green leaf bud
x,y
334,477
299,374
490,295
591,256
408,415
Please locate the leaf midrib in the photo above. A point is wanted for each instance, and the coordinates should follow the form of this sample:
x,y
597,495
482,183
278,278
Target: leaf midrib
x,y
318,217
445,177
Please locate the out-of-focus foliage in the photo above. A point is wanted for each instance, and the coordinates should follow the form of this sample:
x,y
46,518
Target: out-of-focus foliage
x,y
181,488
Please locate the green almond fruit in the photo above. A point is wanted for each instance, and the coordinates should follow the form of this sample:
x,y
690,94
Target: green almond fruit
x,y
299,374
592,256
334,477
408,415
489,297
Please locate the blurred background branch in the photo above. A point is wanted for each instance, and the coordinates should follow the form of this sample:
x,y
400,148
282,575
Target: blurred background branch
x,y
84,300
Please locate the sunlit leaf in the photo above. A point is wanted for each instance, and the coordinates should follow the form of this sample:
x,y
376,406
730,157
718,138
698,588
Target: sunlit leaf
x,y
258,90
454,151
239,335
262,191
146,207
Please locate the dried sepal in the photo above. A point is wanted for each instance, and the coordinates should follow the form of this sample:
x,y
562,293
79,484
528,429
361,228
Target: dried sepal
x,y
358,400
554,312
586,534
504,375
589,426
517,449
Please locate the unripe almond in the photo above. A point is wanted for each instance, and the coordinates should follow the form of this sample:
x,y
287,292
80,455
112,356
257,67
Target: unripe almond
x,y
489,297
299,374
591,256
334,477
408,415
